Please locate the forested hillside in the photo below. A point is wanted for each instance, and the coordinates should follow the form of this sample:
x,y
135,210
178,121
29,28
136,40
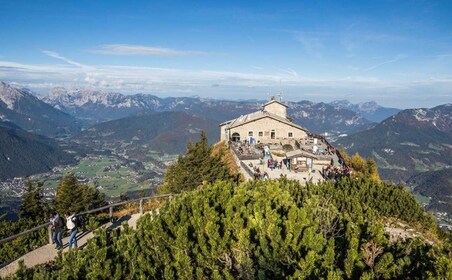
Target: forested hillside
x,y
266,230
166,132
24,154
409,144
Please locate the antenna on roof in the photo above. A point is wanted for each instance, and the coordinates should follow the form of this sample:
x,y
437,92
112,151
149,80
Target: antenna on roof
x,y
280,91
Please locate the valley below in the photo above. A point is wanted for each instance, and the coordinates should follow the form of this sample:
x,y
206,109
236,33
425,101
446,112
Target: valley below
x,y
123,144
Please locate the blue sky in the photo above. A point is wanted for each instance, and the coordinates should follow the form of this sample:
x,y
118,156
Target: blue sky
x,y
398,53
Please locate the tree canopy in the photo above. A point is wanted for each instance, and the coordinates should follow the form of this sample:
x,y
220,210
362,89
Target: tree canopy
x,y
265,230
363,168
200,165
33,204
73,197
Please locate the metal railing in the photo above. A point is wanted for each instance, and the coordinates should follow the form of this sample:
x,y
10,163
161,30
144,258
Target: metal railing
x,y
109,206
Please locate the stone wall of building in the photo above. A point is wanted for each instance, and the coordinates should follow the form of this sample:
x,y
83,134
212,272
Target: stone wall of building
x,y
261,130
277,109
223,136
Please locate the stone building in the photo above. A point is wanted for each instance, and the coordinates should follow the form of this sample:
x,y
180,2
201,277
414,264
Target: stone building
x,y
269,125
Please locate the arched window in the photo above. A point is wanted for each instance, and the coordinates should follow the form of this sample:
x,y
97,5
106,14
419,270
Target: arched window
x,y
235,137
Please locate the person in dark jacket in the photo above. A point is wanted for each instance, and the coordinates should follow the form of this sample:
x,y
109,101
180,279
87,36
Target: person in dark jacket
x,y
57,227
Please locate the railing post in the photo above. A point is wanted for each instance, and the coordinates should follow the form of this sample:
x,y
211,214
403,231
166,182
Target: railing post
x,y
49,229
141,207
111,214
50,235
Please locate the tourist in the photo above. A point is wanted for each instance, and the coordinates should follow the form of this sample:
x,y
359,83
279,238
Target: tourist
x,y
57,227
72,226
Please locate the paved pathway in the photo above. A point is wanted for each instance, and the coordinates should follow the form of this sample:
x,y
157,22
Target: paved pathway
x,y
48,252
301,176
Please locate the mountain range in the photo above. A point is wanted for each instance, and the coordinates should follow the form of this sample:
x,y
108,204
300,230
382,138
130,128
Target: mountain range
x,y
369,110
409,146
95,106
19,108
413,146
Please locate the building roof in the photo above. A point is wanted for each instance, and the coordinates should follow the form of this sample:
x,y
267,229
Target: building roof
x,y
242,120
274,101
298,153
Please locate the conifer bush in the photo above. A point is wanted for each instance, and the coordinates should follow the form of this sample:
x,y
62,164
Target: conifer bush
x,y
263,230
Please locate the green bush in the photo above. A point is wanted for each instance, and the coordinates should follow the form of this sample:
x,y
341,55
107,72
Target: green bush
x,y
266,230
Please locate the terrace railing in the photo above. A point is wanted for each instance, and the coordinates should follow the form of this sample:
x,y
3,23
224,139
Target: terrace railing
x,y
109,206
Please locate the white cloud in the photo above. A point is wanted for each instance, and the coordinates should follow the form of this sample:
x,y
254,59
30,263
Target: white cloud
x,y
67,60
123,49
234,85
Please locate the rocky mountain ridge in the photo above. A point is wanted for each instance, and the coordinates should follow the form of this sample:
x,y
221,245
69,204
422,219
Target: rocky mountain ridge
x,y
22,109
96,106
369,110
415,143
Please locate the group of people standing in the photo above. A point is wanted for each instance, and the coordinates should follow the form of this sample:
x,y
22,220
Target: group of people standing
x,y
273,164
58,224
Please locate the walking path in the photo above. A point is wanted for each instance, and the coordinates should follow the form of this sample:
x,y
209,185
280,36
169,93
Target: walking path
x,y
48,252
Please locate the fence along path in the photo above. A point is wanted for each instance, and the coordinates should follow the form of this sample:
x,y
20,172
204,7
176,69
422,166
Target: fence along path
x,y
48,252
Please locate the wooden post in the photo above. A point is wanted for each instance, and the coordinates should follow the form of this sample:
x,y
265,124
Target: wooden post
x,y
50,234
141,207
111,214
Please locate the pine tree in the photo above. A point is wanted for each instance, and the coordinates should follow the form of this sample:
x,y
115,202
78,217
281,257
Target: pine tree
x,y
33,205
72,197
199,166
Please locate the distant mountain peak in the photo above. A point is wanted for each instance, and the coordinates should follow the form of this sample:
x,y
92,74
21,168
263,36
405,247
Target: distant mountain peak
x,y
370,106
25,110
10,95
439,117
370,110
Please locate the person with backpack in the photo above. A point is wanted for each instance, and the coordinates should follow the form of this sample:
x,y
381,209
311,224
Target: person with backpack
x,y
72,226
57,225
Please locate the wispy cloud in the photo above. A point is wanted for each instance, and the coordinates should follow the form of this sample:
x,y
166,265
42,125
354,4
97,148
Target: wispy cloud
x,y
123,49
289,71
375,66
65,59
221,84
312,45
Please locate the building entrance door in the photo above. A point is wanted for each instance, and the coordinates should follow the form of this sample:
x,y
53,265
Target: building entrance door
x,y
235,137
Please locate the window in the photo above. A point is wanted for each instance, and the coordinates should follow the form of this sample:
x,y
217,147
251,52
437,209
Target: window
x,y
290,134
273,134
261,133
250,133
